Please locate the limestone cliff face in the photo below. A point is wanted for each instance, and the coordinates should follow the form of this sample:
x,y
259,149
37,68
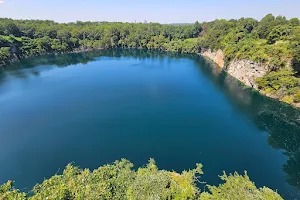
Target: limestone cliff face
x,y
245,71
216,56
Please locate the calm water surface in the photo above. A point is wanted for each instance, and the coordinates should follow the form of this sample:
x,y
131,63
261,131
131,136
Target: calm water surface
x,y
94,108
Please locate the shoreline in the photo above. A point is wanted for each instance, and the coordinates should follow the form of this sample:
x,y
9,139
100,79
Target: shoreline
x,y
216,57
218,60
3,64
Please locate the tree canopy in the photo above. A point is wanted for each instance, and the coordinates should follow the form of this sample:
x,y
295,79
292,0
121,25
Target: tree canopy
x,y
120,181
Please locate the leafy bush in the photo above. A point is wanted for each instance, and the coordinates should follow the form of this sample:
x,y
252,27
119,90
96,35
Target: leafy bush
x,y
282,83
182,46
239,187
8,192
297,97
4,53
120,181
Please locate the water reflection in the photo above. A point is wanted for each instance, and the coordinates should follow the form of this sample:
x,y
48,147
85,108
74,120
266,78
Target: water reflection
x,y
47,62
279,120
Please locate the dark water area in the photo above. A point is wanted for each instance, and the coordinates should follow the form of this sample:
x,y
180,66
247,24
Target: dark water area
x,y
98,107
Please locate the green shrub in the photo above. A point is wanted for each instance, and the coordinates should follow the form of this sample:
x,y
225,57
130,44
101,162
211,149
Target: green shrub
x,y
118,181
288,99
276,80
238,187
297,97
8,192
282,83
4,53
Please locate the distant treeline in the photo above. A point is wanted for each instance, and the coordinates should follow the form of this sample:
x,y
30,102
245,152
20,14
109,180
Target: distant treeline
x,y
245,38
30,37
273,41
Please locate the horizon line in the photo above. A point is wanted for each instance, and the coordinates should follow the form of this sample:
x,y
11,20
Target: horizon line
x,y
137,22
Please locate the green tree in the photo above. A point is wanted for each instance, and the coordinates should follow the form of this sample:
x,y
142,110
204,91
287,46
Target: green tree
x,y
196,29
294,22
239,187
11,28
119,181
265,26
279,33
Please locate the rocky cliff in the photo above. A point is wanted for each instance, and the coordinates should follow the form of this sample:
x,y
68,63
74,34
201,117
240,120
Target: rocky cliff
x,y
216,56
244,70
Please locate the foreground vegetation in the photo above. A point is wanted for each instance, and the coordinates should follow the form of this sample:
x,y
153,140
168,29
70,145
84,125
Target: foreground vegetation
x,y
273,41
120,181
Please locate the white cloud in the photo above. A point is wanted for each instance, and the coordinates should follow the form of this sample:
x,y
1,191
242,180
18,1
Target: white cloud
x,y
1,1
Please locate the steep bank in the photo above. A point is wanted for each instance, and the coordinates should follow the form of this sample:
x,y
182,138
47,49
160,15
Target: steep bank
x,y
245,71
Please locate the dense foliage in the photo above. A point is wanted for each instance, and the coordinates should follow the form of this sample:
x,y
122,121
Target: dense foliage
x,y
283,83
121,181
31,37
273,41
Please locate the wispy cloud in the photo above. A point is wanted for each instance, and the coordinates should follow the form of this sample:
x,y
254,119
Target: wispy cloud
x,y
1,1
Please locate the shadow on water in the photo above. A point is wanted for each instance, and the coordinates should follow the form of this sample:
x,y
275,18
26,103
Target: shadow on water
x,y
279,120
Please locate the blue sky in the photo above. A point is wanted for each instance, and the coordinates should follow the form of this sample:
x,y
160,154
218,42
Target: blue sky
x,y
163,11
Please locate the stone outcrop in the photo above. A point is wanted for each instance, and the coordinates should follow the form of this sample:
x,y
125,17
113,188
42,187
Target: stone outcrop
x,y
245,71
216,56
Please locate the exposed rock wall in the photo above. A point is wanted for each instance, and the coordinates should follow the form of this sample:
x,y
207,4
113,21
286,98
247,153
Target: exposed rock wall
x,y
216,56
244,70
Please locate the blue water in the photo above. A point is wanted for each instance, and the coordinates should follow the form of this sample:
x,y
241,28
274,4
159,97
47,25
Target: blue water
x,y
94,108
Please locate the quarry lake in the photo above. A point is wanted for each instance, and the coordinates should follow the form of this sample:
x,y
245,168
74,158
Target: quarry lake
x,y
97,107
